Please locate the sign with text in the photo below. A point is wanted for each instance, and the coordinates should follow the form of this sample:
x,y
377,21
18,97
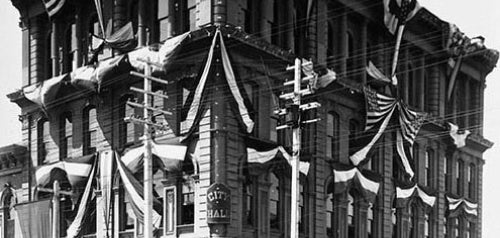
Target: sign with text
x,y
218,204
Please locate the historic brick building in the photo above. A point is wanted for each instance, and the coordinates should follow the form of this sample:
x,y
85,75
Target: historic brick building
x,y
68,121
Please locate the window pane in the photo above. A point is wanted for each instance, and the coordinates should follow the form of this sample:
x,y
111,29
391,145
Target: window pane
x,y
274,199
165,29
163,9
187,203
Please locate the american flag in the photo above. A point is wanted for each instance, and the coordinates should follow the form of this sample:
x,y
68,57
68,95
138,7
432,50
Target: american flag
x,y
379,110
53,6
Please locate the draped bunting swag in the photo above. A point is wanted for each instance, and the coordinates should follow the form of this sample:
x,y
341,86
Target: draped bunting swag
x,y
403,195
264,156
353,178
456,206
195,109
93,77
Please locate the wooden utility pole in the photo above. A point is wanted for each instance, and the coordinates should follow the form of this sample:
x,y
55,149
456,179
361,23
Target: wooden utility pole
x,y
296,123
56,207
149,125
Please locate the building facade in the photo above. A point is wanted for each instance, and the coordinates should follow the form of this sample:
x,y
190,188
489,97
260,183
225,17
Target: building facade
x,y
68,122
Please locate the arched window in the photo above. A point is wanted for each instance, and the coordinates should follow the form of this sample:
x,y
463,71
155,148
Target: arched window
x,y
353,136
65,136
248,202
43,137
68,48
472,181
460,177
394,222
369,222
48,58
429,162
302,206
332,136
274,201
427,226
350,216
413,224
90,130
330,227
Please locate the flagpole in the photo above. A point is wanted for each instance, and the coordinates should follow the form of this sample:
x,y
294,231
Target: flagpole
x,y
454,74
396,54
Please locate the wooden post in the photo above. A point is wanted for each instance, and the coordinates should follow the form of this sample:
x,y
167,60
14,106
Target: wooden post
x,y
56,211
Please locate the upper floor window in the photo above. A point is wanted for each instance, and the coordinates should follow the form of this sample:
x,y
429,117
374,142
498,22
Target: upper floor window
x,y
48,56
90,130
43,137
369,222
65,136
164,20
460,177
67,49
248,202
426,226
353,135
429,160
274,201
332,135
472,181
330,211
189,15
302,208
187,201
447,172
350,216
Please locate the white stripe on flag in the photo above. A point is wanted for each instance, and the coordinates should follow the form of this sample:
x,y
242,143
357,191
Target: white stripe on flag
x,y
402,154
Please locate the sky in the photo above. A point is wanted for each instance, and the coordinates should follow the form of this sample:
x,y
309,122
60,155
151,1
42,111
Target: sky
x,y
475,18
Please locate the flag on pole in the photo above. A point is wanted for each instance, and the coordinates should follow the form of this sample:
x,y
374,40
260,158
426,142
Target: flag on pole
x,y
53,6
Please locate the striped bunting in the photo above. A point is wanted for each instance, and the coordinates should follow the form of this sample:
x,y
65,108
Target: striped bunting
x,y
77,170
455,206
263,157
196,105
136,194
403,195
398,12
379,110
84,208
53,6
346,179
169,157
